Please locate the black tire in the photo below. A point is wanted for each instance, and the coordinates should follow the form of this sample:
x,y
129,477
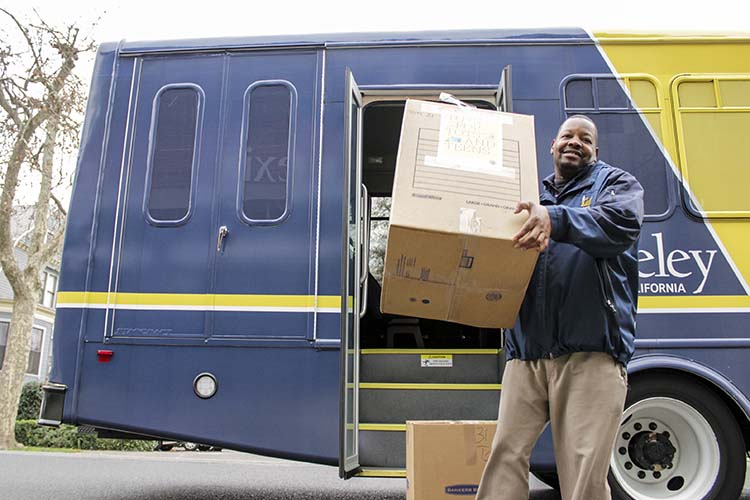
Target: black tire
x,y
549,478
729,480
160,446
203,447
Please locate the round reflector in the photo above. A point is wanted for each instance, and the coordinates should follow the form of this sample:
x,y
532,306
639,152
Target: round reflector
x,y
205,385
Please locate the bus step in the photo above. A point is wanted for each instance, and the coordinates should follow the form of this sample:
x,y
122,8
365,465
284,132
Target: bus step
x,y
455,366
382,445
398,402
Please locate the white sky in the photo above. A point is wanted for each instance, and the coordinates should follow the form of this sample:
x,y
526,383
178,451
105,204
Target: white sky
x,y
158,20
141,19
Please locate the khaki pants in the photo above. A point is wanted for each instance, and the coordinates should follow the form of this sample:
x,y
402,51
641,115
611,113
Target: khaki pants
x,y
582,396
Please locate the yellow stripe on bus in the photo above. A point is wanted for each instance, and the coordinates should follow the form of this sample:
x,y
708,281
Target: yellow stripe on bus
x,y
439,387
383,427
200,300
382,473
430,351
677,302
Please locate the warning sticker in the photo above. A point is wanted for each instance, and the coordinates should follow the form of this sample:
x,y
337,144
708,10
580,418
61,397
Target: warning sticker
x,y
436,361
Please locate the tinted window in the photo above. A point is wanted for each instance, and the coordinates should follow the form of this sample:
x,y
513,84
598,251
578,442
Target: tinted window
x,y
35,351
174,136
624,140
626,143
578,94
3,341
610,94
264,194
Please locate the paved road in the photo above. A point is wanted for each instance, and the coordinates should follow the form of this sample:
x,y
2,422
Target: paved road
x,y
182,475
179,475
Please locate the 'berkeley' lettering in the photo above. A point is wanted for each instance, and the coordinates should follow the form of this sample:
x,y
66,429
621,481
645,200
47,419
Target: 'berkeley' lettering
x,y
667,264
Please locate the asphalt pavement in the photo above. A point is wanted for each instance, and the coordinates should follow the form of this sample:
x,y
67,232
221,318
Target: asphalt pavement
x,y
181,475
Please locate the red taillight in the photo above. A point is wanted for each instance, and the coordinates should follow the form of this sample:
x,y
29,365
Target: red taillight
x,y
104,355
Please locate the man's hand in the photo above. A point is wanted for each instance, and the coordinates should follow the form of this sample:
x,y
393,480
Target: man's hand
x,y
534,234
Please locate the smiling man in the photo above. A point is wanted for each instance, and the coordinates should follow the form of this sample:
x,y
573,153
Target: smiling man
x,y
575,332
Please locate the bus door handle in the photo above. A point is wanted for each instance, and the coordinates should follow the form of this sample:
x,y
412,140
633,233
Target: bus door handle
x,y
223,232
365,253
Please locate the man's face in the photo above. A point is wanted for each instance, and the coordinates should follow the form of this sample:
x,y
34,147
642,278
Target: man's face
x,y
574,147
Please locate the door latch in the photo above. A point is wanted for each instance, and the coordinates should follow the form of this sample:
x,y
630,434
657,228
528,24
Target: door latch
x,y
223,232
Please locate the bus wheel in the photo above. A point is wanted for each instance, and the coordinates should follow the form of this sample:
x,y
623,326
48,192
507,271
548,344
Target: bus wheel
x,y
189,446
677,441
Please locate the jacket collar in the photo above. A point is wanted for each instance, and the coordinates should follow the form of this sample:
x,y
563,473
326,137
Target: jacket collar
x,y
583,180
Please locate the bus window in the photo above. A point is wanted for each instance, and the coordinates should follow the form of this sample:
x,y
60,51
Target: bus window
x,y
712,115
624,139
174,130
265,170
380,212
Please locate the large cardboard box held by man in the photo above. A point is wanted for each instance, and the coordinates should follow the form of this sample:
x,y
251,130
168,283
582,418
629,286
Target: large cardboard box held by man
x,y
459,175
445,459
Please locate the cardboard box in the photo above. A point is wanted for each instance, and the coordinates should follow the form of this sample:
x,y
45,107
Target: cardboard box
x,y
459,175
445,459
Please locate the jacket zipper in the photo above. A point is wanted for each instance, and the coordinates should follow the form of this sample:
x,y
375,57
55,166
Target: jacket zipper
x,y
605,281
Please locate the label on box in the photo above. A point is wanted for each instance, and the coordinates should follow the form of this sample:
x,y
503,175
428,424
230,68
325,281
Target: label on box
x,y
471,142
436,361
462,489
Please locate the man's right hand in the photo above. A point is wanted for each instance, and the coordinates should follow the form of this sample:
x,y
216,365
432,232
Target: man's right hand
x,y
534,234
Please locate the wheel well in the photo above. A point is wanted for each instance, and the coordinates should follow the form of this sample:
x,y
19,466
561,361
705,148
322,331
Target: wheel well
x,y
731,404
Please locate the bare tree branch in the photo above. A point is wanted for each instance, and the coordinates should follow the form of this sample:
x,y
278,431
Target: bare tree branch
x,y
25,33
59,204
41,209
7,257
52,246
42,98
9,109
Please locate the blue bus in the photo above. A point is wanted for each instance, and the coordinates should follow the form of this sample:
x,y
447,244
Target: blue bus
x,y
220,273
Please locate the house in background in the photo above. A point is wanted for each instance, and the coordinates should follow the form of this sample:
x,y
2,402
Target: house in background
x,y
40,354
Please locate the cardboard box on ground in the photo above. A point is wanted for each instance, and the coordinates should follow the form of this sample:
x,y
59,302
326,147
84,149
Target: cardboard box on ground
x,y
445,459
459,175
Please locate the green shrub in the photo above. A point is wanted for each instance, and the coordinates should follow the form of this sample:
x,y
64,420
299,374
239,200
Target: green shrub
x,y
29,433
30,402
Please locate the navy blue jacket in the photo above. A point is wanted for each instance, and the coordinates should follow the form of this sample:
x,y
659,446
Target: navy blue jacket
x,y
583,294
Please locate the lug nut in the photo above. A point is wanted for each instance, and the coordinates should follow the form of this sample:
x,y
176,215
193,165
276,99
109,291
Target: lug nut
x,y
652,426
657,475
638,426
628,465
626,435
665,434
641,474
622,451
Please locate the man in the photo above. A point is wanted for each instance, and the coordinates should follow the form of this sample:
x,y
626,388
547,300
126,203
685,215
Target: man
x,y
575,331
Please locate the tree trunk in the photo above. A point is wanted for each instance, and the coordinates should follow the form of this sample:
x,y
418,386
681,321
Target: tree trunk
x,y
14,367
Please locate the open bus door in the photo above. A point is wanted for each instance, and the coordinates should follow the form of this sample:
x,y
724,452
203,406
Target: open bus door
x,y
504,95
354,278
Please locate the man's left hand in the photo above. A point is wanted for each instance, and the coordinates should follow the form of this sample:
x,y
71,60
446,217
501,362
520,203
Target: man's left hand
x,y
534,234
